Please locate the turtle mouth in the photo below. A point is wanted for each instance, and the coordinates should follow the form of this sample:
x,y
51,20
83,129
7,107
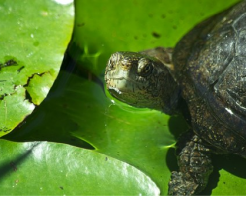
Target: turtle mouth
x,y
116,85
120,84
114,90
121,88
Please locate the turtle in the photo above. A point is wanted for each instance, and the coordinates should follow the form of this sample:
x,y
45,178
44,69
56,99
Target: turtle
x,y
203,77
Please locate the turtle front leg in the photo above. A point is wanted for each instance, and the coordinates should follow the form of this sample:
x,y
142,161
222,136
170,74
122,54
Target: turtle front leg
x,y
195,166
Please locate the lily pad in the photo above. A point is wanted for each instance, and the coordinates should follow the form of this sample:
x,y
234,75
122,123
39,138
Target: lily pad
x,y
96,123
66,170
34,37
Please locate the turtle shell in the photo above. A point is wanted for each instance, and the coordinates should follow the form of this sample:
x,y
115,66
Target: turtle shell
x,y
210,66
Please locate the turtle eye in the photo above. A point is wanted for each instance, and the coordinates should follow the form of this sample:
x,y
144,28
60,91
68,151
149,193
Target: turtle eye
x,y
146,70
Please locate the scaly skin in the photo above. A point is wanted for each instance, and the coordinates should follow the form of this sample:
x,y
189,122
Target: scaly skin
x,y
195,165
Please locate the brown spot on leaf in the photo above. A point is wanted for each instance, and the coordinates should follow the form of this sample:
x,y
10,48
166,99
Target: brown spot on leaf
x,y
13,165
156,35
81,24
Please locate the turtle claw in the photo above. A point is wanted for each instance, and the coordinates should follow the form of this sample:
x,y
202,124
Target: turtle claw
x,y
178,186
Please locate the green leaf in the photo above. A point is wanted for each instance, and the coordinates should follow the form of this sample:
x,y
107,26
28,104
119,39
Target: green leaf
x,y
78,112
39,87
92,123
34,37
43,168
103,27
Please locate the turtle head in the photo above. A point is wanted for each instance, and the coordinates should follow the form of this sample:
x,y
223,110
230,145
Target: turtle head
x,y
141,81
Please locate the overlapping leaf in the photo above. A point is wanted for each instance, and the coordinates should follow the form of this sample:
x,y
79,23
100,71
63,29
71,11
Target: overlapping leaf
x,y
34,36
42,168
